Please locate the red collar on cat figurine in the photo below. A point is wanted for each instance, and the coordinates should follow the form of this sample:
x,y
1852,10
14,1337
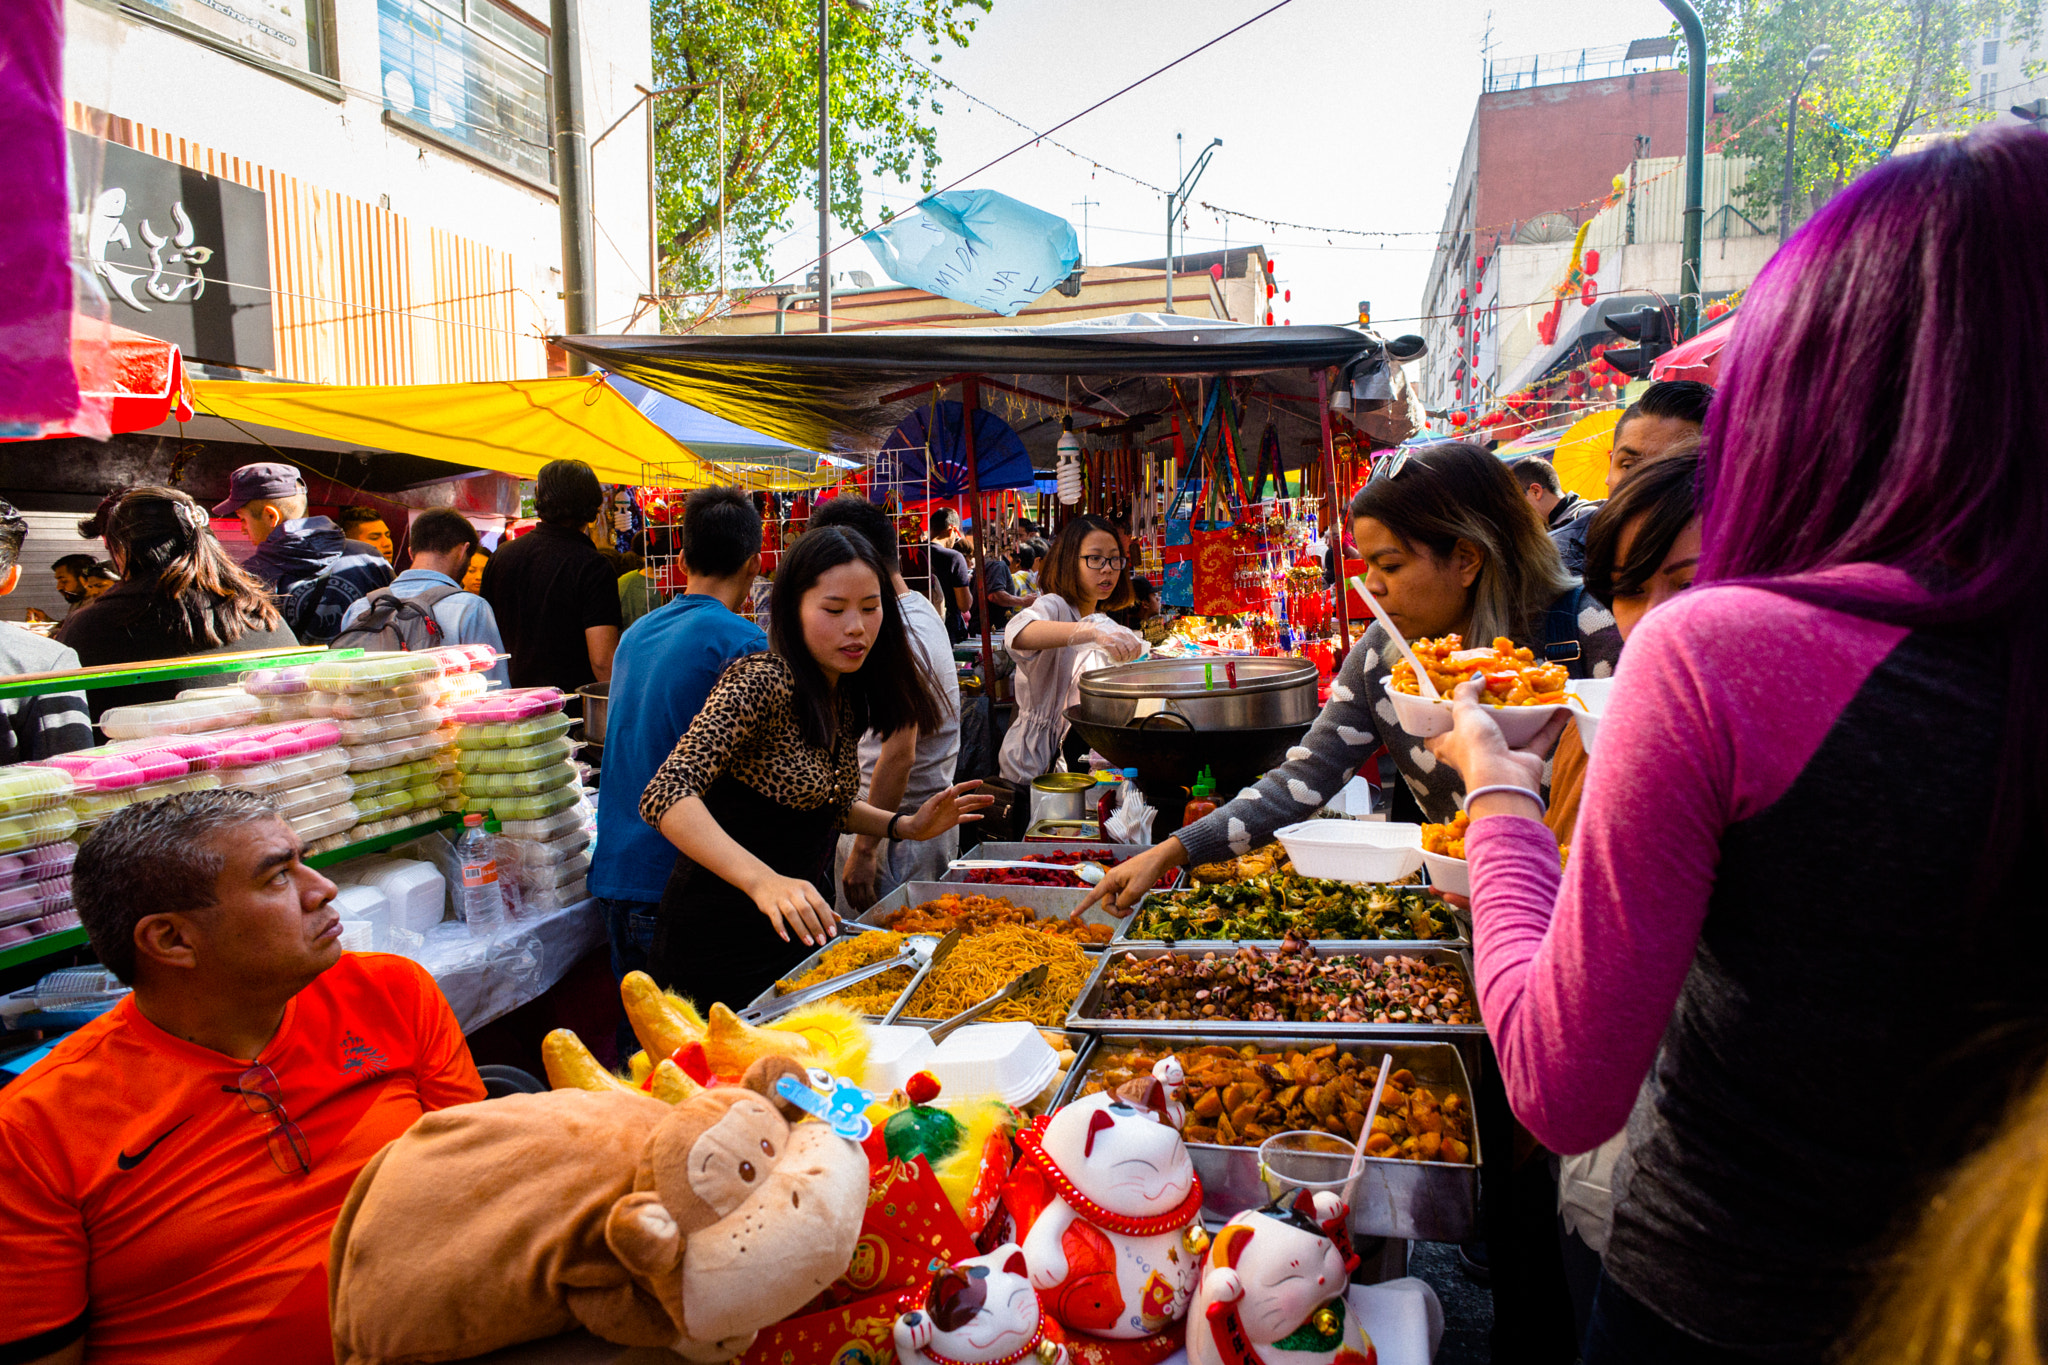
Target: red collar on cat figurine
x,y
1038,1338
1189,1209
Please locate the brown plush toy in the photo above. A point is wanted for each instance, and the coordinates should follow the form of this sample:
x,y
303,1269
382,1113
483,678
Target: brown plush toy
x,y
688,1227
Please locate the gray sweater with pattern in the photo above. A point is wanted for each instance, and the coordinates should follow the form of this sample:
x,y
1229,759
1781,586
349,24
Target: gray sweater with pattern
x,y
1358,719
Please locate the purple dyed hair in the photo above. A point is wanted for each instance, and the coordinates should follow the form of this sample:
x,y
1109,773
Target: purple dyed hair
x,y
1883,401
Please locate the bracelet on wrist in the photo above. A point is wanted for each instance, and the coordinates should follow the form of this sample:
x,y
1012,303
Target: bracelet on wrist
x,y
892,825
1506,788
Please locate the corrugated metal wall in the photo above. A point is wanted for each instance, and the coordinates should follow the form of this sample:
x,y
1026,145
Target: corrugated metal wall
x,y
1660,202
345,306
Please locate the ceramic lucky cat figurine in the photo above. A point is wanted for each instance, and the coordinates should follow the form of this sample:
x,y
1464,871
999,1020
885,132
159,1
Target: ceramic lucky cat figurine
x,y
981,1311
1113,1237
1273,1291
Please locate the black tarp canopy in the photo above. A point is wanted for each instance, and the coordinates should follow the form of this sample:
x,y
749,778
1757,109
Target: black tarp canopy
x,y
844,392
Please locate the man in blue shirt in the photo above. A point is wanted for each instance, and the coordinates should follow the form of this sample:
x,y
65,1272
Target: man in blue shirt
x,y
442,541
666,664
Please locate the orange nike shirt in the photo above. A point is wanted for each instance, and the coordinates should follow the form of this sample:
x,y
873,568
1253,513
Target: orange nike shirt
x,y
140,1198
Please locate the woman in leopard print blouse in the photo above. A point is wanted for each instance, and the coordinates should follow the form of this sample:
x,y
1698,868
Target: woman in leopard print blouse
x,y
768,774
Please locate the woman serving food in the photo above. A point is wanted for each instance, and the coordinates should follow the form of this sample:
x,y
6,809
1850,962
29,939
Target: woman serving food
x,y
1451,548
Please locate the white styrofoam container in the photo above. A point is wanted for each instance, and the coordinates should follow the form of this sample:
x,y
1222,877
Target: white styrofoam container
x,y
1425,719
896,1052
1353,850
1447,873
1009,1061
1593,694
417,891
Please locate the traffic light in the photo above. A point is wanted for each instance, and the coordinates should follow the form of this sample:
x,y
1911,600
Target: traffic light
x,y
1650,328
2034,112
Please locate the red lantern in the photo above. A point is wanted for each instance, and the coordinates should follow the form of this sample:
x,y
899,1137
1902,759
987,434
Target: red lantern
x,y
1269,317
1270,291
1287,297
1592,262
1458,419
1589,293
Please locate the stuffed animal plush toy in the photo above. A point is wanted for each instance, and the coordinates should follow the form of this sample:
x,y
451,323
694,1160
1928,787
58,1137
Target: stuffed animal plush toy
x,y
1273,1292
981,1311
689,1226
1115,1244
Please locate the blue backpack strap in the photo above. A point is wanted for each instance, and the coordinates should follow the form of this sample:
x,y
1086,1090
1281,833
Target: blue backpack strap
x,y
1561,630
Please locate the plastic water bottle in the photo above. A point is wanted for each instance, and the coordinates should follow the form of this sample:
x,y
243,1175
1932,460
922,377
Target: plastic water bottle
x,y
478,900
510,891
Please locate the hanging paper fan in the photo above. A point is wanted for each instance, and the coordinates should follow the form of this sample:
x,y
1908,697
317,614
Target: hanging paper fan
x,y
926,457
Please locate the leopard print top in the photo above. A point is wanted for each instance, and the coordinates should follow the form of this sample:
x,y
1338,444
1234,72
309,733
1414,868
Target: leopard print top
x,y
748,728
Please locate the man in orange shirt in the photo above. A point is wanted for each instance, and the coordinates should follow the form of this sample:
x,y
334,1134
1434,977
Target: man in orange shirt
x,y
170,1173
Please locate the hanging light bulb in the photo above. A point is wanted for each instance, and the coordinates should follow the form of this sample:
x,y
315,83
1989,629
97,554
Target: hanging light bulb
x,y
1068,463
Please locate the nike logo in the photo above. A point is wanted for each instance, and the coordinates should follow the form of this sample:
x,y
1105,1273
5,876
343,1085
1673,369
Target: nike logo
x,y
129,1163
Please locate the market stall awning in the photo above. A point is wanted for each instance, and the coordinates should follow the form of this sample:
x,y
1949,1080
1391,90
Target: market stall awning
x,y
1699,358
128,381
511,426
844,392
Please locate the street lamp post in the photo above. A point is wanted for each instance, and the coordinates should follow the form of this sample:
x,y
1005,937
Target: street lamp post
x,y
1175,202
1813,61
825,156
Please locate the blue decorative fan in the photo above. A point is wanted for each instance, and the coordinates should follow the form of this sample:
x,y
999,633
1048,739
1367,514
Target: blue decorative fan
x,y
928,445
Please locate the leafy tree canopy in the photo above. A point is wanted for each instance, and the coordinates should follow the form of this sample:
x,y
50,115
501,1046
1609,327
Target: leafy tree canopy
x,y
765,54
1897,69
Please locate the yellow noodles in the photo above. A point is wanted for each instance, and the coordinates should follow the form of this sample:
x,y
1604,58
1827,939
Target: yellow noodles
x,y
980,965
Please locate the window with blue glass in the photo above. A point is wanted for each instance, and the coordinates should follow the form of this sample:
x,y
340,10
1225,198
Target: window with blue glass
x,y
474,72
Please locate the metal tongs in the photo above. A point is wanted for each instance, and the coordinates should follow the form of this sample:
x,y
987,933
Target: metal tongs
x,y
1030,981
920,951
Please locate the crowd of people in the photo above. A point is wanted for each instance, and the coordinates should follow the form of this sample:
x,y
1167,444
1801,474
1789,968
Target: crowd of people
x,y
1773,1033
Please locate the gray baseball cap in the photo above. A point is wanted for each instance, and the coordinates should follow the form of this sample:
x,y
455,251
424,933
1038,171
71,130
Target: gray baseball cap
x,y
253,481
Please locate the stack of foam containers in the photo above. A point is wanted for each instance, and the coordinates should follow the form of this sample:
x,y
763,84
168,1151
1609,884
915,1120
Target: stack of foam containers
x,y
388,708
516,762
36,826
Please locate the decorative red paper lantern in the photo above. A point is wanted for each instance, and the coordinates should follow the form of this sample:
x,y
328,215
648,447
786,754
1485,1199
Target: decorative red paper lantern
x,y
1589,293
1269,317
1592,261
1287,297
1270,290
1458,419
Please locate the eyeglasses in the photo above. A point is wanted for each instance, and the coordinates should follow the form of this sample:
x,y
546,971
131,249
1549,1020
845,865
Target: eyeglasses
x,y
260,1091
1103,561
1399,461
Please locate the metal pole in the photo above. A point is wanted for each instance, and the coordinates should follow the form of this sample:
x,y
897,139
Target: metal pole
x,y
721,194
1169,253
572,171
824,166
970,404
1695,164
1785,192
653,195
1337,509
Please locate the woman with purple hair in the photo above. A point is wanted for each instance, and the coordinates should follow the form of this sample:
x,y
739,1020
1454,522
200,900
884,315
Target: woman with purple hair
x,y
1796,954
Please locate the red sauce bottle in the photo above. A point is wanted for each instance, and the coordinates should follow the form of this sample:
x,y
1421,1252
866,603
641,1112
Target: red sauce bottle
x,y
1201,798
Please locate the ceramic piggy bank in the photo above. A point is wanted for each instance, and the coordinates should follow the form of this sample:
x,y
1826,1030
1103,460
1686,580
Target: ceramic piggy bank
x,y
981,1311
1114,1244
1273,1290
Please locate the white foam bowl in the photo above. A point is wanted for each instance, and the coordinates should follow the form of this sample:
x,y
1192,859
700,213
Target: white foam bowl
x,y
1593,692
1447,873
1353,850
896,1052
1425,719
1009,1061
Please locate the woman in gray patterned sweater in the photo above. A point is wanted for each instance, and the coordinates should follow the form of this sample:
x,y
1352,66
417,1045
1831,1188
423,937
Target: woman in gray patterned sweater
x,y
1450,546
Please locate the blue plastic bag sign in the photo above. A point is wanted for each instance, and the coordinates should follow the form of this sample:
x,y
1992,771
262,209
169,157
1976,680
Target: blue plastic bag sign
x,y
979,248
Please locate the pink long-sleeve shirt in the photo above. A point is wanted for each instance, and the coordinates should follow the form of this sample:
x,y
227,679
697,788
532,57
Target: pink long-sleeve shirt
x,y
1721,699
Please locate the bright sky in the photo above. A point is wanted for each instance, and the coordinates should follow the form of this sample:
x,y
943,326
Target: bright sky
x,y
1333,113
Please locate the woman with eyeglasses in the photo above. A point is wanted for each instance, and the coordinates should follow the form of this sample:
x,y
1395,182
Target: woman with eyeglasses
x,y
1450,547
1084,574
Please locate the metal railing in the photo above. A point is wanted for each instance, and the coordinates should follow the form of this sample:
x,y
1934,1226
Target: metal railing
x,y
1559,68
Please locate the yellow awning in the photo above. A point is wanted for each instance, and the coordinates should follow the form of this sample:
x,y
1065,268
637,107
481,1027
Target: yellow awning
x,y
510,426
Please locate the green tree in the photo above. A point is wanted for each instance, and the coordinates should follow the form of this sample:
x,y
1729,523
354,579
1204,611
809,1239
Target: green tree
x,y
764,54
1897,69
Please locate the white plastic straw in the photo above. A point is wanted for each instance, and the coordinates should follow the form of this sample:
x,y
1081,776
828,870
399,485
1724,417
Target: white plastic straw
x,y
1379,613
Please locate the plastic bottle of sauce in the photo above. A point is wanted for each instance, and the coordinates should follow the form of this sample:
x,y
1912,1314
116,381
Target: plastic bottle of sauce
x,y
1108,783
1201,798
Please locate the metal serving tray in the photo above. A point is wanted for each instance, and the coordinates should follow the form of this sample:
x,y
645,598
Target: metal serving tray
x,y
1045,902
1022,852
1462,918
1086,1015
1429,1201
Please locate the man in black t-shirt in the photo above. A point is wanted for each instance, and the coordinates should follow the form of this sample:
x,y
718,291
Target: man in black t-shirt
x,y
556,600
952,582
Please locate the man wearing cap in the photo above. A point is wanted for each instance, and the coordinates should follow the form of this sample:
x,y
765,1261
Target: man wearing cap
x,y
316,572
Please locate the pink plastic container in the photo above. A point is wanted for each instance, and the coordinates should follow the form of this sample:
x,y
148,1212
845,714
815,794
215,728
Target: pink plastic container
x,y
502,708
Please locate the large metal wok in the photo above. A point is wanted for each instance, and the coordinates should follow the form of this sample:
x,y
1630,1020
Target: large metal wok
x,y
1168,753
1208,693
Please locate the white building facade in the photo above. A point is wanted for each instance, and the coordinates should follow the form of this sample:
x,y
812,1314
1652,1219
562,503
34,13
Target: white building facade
x,y
351,191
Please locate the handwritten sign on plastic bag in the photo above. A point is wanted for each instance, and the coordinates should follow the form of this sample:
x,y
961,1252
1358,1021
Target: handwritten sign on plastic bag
x,y
979,248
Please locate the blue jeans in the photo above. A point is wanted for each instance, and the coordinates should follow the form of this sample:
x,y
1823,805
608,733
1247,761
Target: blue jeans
x,y
630,924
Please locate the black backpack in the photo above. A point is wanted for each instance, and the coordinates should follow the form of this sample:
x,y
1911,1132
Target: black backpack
x,y
393,622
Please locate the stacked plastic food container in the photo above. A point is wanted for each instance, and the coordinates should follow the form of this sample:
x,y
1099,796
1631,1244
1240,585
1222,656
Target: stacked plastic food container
x,y
36,824
389,712
513,757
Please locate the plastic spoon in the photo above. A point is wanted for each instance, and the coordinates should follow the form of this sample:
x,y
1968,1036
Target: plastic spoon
x,y
1371,1112
1379,614
1091,873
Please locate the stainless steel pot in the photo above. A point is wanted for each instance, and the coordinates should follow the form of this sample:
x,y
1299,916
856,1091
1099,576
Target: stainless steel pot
x,y
596,700
1207,694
